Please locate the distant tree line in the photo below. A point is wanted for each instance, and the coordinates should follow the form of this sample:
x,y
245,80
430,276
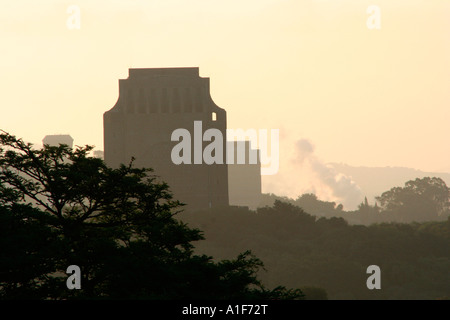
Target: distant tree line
x,y
420,200
327,257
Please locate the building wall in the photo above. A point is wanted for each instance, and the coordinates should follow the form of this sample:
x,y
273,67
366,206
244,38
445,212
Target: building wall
x,y
244,180
153,103
57,139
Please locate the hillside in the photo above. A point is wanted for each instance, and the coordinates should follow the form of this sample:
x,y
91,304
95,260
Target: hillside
x,y
301,250
375,180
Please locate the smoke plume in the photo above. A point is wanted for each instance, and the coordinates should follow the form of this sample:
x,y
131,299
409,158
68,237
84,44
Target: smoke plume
x,y
341,188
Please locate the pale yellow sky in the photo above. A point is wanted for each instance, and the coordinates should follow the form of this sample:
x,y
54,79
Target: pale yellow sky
x,y
311,68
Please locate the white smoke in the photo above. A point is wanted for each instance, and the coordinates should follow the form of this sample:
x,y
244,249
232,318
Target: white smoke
x,y
301,171
330,183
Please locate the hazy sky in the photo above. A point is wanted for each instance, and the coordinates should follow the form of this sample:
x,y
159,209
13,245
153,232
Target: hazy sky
x,y
311,68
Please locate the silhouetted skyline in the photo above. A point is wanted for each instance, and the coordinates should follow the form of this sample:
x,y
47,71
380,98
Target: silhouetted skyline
x,y
313,69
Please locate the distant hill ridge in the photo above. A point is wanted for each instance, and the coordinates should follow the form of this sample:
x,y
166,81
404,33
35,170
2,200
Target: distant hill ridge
x,y
373,181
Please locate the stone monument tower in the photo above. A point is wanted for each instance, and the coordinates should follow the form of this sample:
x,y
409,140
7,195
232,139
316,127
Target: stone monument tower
x,y
152,104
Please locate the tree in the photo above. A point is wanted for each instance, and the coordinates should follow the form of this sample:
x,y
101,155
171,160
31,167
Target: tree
x,y
315,293
26,253
311,204
117,225
419,200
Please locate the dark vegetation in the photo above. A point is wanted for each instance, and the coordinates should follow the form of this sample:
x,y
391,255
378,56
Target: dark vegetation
x,y
59,207
325,252
420,200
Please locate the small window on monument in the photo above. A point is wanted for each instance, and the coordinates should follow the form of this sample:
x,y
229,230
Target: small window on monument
x,y
214,116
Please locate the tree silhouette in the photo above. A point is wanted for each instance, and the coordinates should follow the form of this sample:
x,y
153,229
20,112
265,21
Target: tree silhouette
x,y
419,200
61,207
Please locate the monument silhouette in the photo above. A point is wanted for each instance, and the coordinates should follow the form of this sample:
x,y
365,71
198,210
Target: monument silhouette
x,y
152,103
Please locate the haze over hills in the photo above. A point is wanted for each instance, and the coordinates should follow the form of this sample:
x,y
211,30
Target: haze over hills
x,y
373,181
349,182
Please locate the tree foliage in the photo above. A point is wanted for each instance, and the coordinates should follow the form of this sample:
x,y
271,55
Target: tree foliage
x,y
331,255
61,207
419,200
